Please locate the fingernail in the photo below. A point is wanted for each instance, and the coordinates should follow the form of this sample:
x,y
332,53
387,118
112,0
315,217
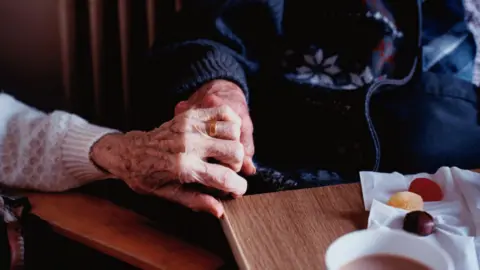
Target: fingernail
x,y
219,212
254,169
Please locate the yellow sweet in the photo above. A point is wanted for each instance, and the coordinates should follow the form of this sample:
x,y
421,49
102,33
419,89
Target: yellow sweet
x,y
406,200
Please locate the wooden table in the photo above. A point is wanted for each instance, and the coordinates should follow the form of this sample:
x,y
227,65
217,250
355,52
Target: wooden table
x,y
118,232
292,229
326,213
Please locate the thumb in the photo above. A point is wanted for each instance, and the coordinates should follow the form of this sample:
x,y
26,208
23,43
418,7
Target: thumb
x,y
181,107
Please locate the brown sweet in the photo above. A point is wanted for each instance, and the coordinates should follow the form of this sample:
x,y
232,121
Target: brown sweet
x,y
427,189
419,222
406,200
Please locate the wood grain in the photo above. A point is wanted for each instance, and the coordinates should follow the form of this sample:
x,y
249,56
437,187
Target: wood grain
x,y
118,232
291,229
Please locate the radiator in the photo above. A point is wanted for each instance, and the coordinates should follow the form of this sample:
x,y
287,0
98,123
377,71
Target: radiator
x,y
100,42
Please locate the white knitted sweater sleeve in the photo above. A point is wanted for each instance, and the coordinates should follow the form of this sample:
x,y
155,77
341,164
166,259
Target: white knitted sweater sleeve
x,y
45,152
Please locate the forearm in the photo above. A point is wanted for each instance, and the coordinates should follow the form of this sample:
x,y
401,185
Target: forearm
x,y
46,152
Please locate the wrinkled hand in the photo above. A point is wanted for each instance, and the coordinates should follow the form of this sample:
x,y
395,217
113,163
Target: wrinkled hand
x,y
161,161
221,92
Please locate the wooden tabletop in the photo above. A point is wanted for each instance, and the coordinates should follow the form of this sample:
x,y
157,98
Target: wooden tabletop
x,y
118,232
292,229
268,231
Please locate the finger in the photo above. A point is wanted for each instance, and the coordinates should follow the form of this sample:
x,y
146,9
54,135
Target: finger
x,y
246,138
229,153
248,167
194,200
218,194
181,107
221,113
223,129
215,176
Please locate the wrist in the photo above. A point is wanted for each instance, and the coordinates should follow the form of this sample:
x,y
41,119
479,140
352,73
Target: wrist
x,y
76,146
105,152
222,85
224,88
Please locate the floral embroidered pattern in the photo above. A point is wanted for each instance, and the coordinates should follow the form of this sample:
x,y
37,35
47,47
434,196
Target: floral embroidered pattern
x,y
319,70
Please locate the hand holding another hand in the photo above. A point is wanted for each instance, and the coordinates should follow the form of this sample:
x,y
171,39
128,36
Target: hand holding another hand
x,y
161,161
222,92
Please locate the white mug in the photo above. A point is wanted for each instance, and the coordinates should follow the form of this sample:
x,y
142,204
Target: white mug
x,y
362,243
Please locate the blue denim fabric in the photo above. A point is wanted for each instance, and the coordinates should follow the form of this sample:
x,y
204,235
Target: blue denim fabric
x,y
448,44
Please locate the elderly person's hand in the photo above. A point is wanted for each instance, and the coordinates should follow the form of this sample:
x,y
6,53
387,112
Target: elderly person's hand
x,y
221,92
162,161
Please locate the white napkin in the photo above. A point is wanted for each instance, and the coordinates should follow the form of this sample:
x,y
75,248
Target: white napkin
x,y
457,216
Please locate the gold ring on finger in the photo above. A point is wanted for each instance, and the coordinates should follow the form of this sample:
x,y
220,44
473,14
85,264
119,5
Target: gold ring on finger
x,y
212,128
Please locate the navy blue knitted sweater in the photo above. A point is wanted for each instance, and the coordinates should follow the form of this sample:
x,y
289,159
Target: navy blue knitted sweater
x,y
308,69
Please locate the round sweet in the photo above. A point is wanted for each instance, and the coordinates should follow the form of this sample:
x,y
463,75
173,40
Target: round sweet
x,y
406,200
419,222
427,189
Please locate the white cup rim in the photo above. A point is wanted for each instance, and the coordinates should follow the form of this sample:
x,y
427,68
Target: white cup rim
x,y
441,252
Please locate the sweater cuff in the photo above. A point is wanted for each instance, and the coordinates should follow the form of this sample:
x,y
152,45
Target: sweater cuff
x,y
214,66
78,141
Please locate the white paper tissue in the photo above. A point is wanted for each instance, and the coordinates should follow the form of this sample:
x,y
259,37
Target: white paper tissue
x,y
457,216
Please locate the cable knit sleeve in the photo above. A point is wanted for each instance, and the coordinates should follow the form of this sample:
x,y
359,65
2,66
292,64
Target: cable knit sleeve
x,y
213,39
45,152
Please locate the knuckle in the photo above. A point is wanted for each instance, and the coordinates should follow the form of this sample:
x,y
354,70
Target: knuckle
x,y
179,107
230,114
236,131
212,101
249,149
237,154
189,114
180,123
225,108
237,119
225,177
238,151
